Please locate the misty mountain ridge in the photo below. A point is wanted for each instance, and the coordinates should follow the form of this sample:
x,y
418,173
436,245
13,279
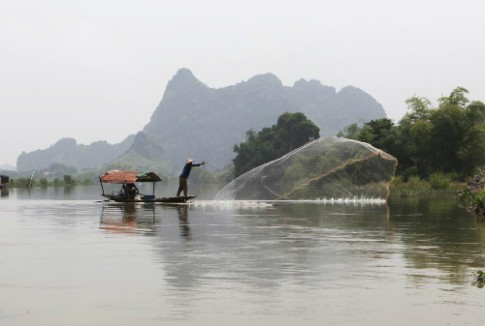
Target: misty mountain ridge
x,y
194,120
68,152
145,154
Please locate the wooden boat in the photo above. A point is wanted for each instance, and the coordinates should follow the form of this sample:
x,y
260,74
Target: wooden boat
x,y
129,192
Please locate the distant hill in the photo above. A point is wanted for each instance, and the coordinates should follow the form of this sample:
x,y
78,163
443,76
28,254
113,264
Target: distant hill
x,y
194,120
69,153
7,167
145,154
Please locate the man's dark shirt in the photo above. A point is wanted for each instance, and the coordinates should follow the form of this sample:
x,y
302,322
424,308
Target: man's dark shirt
x,y
188,168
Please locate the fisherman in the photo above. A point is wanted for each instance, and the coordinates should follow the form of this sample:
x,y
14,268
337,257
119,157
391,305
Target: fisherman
x,y
129,189
185,174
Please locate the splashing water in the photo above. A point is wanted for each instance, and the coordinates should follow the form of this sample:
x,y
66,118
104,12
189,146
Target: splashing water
x,y
354,201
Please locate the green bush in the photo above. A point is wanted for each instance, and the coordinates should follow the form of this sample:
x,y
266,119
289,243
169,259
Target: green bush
x,y
439,181
20,182
479,199
68,180
415,183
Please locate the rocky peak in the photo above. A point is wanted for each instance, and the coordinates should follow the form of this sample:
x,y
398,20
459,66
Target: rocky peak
x,y
265,79
184,79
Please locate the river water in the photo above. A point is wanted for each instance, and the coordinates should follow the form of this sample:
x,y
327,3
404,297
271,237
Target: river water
x,y
68,258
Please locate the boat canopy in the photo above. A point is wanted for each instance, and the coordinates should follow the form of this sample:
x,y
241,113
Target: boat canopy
x,y
117,176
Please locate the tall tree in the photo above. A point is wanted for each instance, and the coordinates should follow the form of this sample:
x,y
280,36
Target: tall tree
x,y
449,138
457,134
291,131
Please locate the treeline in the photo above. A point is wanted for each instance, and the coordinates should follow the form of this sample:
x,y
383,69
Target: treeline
x,y
57,175
65,181
449,138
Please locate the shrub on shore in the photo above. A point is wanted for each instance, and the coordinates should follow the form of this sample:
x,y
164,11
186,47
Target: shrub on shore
x,y
437,184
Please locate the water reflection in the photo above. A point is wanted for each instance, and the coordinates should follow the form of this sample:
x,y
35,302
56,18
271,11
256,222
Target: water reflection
x,y
129,218
183,216
274,261
306,243
263,249
4,191
439,236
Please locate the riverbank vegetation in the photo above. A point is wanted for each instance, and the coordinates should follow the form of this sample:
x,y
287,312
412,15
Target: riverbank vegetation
x,y
473,195
428,141
438,148
438,184
65,181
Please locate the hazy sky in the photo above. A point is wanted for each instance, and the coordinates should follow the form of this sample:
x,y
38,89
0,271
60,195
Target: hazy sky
x,y
96,70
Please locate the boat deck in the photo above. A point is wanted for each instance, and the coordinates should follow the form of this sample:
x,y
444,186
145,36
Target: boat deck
x,y
150,199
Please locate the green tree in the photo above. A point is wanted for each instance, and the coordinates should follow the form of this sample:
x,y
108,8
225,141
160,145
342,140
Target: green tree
x,y
68,180
291,131
382,134
456,98
457,135
43,182
414,135
419,110
352,131
448,139
294,130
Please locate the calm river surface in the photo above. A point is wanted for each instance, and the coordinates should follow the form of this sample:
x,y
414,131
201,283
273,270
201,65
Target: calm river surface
x,y
67,258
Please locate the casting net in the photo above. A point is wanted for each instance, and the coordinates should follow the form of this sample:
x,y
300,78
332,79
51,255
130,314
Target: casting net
x,y
329,167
